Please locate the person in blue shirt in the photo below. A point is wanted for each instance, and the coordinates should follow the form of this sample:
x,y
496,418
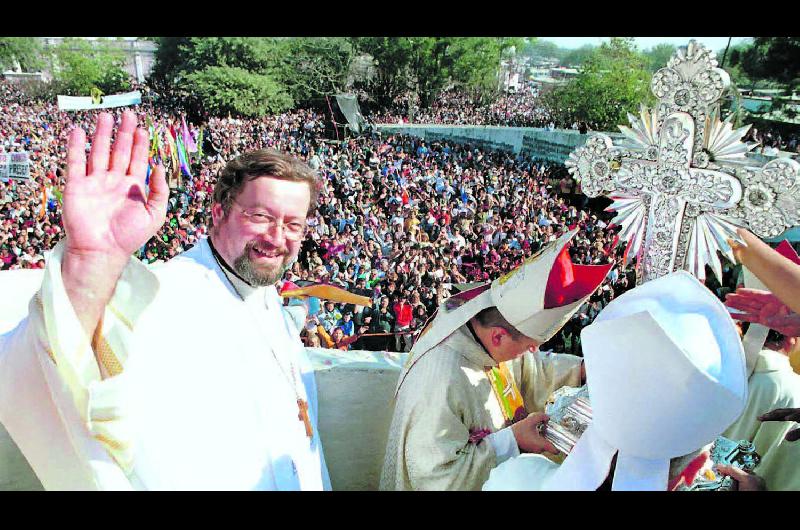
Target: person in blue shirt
x,y
347,325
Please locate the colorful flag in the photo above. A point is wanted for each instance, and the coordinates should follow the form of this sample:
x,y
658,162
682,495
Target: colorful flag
x,y
188,141
200,144
43,210
183,158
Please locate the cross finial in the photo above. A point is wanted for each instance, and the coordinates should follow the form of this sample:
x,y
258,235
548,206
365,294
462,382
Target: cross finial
x,y
680,181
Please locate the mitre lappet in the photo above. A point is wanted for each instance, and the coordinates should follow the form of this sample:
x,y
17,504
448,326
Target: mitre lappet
x,y
537,298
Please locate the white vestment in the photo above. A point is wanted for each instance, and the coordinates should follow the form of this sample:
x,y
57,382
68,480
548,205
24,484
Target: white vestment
x,y
772,385
196,400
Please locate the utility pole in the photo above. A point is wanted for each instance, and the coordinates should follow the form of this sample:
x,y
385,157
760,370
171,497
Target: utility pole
x,y
724,55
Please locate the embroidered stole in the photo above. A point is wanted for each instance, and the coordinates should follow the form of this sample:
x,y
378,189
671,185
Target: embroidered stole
x,y
507,393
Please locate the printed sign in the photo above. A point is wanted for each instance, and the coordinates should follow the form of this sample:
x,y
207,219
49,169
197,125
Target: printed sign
x,y
15,166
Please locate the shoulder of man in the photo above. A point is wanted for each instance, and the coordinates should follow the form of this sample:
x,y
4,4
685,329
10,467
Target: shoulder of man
x,y
781,384
441,367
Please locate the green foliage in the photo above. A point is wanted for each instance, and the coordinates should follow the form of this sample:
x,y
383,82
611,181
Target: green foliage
x,y
577,57
226,89
426,65
82,65
542,48
314,67
658,55
281,70
25,51
476,60
773,58
392,57
614,81
177,57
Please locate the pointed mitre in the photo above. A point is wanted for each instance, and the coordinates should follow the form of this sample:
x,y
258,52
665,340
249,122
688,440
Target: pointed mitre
x,y
666,375
537,298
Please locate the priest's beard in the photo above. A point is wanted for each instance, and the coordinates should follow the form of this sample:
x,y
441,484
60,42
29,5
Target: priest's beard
x,y
260,275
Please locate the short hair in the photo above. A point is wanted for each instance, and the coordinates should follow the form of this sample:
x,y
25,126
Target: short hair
x,y
262,163
775,337
492,318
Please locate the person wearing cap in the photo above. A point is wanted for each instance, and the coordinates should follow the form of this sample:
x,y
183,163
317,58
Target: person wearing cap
x,y
463,397
645,436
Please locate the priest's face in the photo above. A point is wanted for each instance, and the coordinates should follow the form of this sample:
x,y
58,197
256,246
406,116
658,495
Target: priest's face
x,y
261,234
504,347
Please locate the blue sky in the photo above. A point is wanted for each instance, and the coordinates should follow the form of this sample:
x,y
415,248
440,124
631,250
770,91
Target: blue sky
x,y
644,43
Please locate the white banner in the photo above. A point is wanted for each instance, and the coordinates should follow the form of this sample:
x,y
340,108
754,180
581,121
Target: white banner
x,y
14,165
106,102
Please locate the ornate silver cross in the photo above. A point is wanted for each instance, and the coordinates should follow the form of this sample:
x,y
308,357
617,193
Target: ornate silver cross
x,y
679,183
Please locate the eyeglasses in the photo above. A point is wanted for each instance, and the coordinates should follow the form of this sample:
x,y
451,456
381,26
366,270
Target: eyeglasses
x,y
293,231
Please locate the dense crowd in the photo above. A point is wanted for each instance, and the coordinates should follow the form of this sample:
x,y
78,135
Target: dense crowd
x,y
519,108
399,220
772,141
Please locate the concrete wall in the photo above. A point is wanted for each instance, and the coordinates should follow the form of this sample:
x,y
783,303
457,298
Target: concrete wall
x,y
356,400
355,392
545,144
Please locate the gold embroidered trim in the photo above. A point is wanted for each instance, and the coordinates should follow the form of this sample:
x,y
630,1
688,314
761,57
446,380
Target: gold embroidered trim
x,y
121,317
113,444
38,299
104,420
107,357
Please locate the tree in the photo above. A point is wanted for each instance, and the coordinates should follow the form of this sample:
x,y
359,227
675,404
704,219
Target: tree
x,y
426,65
177,57
229,74
475,62
578,56
658,55
82,65
314,67
614,81
542,48
392,57
23,51
225,89
773,58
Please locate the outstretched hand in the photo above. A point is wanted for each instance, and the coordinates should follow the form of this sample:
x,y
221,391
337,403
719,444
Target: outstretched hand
x,y
763,307
106,210
784,415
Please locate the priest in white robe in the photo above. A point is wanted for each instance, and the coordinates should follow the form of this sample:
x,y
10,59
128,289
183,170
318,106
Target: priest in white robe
x,y
464,396
188,376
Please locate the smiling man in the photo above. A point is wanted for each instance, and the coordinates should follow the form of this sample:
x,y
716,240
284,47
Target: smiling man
x,y
183,376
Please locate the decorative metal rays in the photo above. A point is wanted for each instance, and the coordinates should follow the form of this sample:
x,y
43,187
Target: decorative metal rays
x,y
680,181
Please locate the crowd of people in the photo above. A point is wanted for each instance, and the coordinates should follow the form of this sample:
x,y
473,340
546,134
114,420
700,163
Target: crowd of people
x,y
518,108
401,221
771,142
406,224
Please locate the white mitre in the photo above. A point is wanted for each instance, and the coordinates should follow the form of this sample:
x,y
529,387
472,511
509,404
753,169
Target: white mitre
x,y
666,375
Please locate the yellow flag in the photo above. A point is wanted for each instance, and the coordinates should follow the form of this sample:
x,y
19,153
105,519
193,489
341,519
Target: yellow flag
x,y
97,95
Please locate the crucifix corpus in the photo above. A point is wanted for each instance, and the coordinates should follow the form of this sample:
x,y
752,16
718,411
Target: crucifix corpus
x,y
680,180
303,416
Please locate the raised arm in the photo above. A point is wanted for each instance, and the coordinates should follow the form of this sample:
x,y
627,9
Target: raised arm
x,y
107,214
